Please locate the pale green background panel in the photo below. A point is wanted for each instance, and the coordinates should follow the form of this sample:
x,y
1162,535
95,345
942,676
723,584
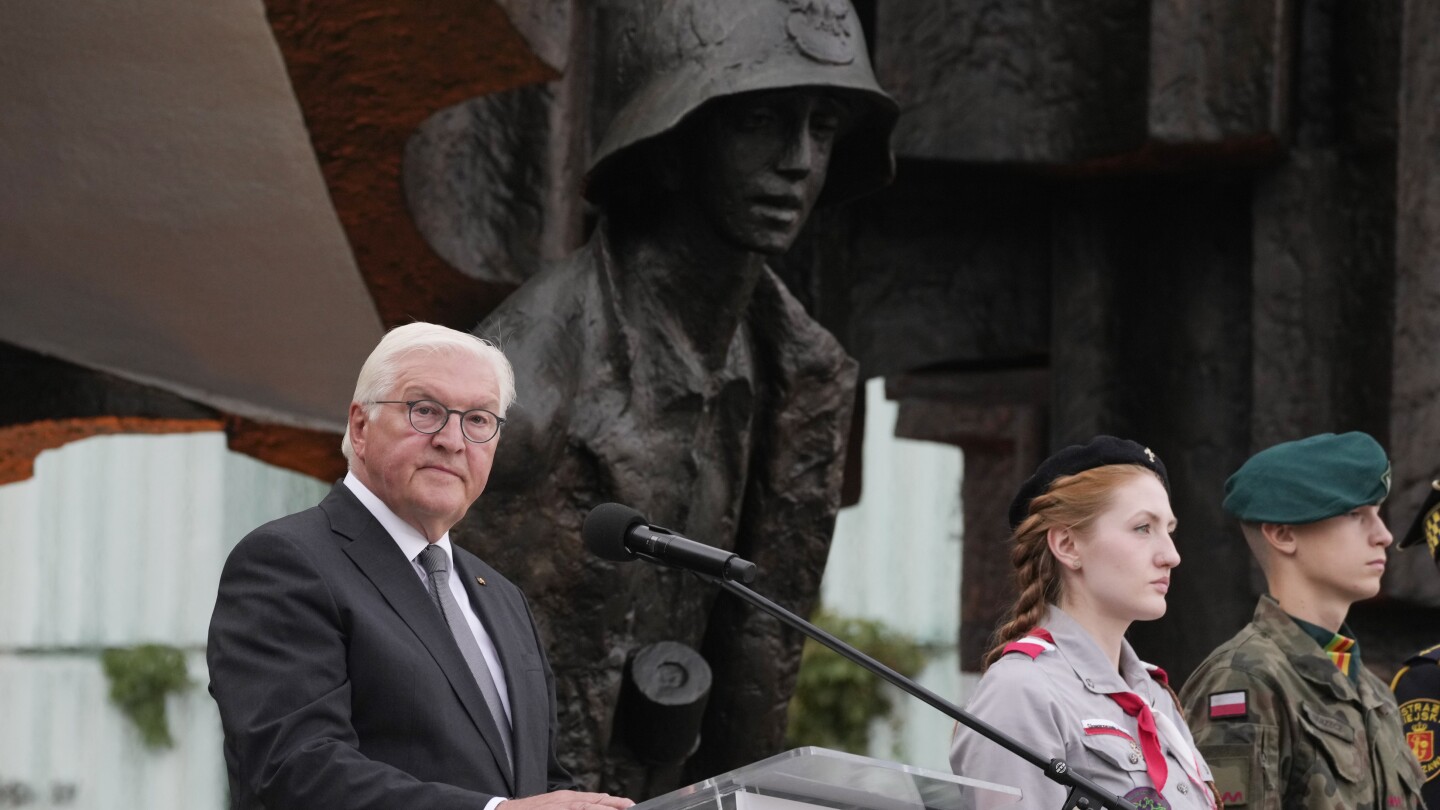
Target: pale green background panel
x,y
118,541
896,558
64,745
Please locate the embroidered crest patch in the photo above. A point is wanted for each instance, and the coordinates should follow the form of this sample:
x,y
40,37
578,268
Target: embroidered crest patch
x,y
1421,718
1147,798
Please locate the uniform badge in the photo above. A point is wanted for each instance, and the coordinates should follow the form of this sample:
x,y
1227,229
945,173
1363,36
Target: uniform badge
x,y
1147,798
1229,705
823,30
1421,718
1098,726
1422,742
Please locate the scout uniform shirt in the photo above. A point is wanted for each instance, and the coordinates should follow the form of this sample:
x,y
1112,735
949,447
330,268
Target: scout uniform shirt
x,y
1051,691
1417,690
1284,728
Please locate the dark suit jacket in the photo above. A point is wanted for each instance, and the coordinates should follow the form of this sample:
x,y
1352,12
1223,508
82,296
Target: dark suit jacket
x,y
340,685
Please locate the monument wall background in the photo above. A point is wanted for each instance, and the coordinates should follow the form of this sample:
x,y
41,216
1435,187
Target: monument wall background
x,y
1209,226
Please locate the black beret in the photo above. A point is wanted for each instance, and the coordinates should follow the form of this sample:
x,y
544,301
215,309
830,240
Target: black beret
x,y
1101,451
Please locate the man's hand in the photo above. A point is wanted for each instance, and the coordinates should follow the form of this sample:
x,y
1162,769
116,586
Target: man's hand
x,y
568,800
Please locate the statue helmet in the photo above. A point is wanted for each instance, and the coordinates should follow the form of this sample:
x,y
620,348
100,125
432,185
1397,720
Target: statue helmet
x,y
674,55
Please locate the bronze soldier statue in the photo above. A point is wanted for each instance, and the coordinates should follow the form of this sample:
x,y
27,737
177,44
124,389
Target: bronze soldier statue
x,y
666,367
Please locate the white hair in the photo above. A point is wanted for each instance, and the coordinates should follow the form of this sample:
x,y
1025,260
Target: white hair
x,y
386,362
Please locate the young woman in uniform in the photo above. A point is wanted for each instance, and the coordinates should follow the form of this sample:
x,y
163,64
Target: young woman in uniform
x,y
1093,552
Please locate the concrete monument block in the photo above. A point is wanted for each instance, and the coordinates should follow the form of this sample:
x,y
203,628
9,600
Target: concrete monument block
x,y
1007,81
1415,396
1220,71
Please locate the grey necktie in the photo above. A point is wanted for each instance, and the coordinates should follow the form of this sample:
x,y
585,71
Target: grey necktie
x,y
437,564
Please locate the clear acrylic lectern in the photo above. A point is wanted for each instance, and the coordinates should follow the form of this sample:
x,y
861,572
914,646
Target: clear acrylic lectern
x,y
808,778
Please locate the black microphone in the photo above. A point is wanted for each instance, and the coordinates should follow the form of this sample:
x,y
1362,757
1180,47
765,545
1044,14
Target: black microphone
x,y
619,533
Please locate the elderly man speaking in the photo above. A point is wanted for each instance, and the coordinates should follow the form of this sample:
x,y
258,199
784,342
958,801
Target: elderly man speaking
x,y
359,660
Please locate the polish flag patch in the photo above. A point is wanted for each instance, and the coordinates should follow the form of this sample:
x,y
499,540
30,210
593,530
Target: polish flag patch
x,y
1229,704
1098,726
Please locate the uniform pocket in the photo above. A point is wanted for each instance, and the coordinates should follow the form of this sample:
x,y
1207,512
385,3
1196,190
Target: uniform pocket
x,y
1411,778
1336,737
1116,751
1245,770
1395,752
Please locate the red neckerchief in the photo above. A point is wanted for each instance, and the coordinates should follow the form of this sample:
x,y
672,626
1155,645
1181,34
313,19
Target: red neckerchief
x,y
1036,642
1155,764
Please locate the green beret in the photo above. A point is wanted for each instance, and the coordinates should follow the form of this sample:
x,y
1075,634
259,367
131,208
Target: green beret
x,y
1309,480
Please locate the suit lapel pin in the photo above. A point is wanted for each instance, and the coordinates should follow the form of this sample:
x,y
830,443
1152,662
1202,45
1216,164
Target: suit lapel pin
x,y
479,580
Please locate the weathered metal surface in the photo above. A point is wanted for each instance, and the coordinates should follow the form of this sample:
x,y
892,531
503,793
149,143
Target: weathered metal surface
x,y
1004,82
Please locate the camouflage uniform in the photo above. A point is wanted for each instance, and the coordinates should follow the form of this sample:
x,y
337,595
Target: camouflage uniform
x,y
1281,726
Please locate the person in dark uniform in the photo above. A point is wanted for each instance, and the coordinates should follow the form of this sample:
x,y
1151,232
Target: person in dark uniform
x,y
1093,553
1417,685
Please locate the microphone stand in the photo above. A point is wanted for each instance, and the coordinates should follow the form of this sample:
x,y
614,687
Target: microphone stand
x,y
1082,794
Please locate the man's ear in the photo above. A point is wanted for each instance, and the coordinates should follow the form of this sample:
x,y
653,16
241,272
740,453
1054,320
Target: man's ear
x,y
1061,541
1280,538
358,422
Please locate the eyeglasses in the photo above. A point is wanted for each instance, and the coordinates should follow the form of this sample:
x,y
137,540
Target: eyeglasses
x,y
428,416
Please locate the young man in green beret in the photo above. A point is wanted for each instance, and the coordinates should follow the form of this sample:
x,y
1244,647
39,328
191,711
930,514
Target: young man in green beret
x,y
1284,713
1417,684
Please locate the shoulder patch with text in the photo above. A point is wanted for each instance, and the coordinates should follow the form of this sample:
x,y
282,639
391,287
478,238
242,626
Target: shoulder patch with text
x,y
1421,720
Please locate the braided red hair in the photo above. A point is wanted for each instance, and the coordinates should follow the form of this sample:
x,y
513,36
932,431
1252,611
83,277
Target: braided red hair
x,y
1072,501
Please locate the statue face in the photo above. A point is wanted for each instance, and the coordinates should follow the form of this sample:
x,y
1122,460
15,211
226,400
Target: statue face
x,y
762,163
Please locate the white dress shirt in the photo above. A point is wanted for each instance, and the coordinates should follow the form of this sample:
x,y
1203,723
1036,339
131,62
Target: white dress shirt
x,y
411,543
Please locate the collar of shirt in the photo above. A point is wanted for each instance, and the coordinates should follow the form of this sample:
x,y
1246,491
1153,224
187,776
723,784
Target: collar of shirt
x,y
1307,658
1090,663
407,537
1342,647
411,543
1093,669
